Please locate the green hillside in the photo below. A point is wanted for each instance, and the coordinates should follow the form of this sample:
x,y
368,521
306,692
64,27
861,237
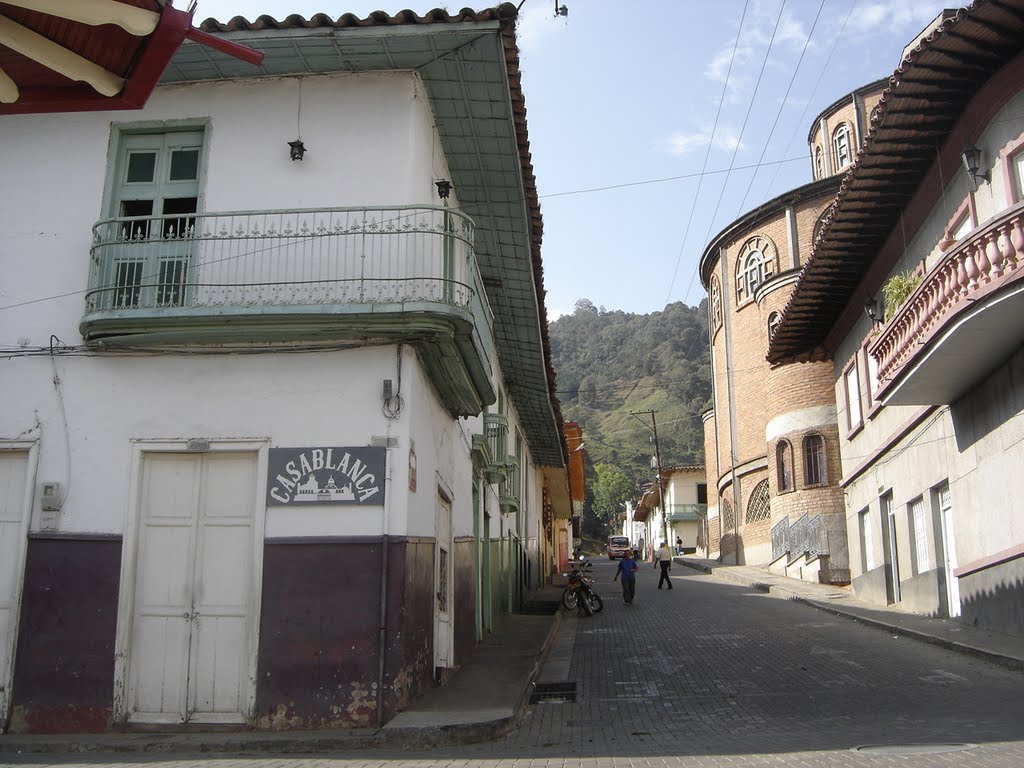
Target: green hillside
x,y
610,363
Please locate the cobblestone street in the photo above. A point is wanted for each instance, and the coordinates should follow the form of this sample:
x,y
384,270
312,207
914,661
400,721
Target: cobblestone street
x,y
717,674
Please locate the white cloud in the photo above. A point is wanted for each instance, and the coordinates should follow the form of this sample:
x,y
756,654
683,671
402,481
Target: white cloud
x,y
894,14
682,143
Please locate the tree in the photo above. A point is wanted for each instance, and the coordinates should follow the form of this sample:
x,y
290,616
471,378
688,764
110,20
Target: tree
x,y
612,489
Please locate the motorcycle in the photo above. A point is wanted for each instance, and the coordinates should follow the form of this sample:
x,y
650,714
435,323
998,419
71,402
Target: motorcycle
x,y
580,592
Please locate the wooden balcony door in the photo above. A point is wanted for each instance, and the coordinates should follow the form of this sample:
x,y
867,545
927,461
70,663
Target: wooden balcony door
x,y
157,175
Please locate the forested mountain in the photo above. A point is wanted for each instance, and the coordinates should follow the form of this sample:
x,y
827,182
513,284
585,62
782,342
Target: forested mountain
x,y
610,363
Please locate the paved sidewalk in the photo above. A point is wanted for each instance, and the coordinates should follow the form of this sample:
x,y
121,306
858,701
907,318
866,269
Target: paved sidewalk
x,y
1007,650
482,701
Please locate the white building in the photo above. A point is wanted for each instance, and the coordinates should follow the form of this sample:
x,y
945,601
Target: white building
x,y
928,379
278,443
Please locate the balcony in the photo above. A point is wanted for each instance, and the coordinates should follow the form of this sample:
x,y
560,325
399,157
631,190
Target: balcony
x,y
961,322
317,276
680,513
509,488
494,448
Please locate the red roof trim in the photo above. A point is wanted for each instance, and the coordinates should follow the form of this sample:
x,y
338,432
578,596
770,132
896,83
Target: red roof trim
x,y
156,54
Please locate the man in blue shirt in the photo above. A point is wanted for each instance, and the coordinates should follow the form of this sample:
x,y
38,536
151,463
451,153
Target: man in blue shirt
x,y
627,569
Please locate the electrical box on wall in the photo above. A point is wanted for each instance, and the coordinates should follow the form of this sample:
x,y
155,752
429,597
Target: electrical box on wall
x,y
50,497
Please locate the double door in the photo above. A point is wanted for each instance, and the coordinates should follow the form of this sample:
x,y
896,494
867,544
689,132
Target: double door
x,y
192,642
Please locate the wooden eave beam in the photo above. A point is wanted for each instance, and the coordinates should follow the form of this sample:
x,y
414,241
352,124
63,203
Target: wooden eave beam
x,y
34,46
8,89
135,21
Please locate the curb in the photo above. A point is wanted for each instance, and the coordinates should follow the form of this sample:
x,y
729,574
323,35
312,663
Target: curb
x,y
246,742
780,590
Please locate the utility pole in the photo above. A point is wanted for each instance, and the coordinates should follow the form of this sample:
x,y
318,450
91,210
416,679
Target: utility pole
x,y
653,426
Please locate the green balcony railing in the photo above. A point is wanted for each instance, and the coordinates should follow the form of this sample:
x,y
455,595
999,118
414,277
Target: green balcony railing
x,y
496,435
509,488
677,513
247,261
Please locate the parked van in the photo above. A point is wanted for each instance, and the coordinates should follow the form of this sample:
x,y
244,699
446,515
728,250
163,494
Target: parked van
x,y
618,546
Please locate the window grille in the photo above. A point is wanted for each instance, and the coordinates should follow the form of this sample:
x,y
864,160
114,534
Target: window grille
x,y
442,580
814,460
757,261
716,303
920,535
841,146
819,164
784,461
759,503
728,521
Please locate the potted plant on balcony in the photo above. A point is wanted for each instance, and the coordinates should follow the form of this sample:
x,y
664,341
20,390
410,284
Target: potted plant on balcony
x,y
897,290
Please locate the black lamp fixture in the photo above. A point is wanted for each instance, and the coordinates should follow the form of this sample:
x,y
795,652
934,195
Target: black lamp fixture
x,y
296,149
561,10
972,162
444,188
873,310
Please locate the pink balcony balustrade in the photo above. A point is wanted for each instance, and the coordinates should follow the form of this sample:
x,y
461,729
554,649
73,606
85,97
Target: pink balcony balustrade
x,y
963,320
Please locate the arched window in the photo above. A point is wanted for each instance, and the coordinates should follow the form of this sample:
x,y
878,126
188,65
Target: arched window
x,y
814,460
756,262
716,303
759,504
728,523
842,151
819,164
784,465
773,323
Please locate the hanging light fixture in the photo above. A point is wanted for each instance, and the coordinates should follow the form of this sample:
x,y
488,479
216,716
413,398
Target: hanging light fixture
x,y
296,149
873,310
971,157
444,188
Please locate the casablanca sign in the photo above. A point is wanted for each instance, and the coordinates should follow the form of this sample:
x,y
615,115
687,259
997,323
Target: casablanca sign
x,y
325,476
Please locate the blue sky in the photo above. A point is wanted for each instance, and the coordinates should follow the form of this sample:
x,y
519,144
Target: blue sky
x,y
637,111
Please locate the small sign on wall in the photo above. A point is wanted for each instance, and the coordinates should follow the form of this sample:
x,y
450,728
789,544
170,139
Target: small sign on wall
x,y
337,475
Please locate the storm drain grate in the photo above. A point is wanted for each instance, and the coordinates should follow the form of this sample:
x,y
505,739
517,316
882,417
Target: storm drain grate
x,y
554,693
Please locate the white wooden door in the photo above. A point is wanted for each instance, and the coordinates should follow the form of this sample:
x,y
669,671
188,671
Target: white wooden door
x,y
190,636
443,585
949,552
13,525
222,589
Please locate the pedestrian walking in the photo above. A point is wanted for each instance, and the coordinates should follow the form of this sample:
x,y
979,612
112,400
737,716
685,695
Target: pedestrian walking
x,y
627,569
664,560
679,545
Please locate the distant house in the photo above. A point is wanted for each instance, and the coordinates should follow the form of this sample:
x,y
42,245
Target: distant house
x,y
914,298
686,507
280,442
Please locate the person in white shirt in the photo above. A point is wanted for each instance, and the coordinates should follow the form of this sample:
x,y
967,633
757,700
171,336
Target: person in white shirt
x,y
664,560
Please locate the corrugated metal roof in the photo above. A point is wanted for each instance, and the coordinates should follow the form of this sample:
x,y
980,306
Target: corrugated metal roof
x,y
917,111
469,63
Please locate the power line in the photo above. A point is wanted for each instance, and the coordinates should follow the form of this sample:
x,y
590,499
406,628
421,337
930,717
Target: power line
x,y
698,174
782,105
707,153
814,90
746,119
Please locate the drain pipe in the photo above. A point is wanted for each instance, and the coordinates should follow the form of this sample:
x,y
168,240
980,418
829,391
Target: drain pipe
x,y
385,542
382,630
